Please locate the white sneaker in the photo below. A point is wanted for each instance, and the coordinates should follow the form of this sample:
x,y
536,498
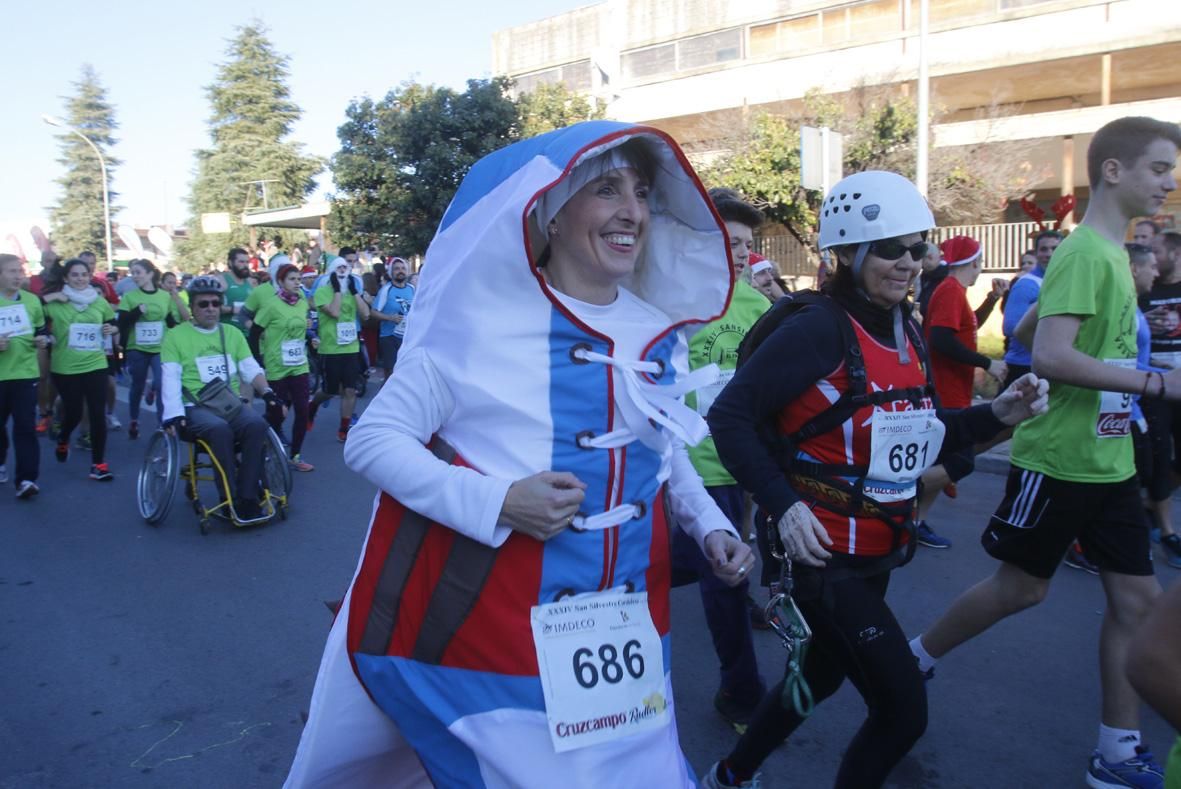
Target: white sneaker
x,y
27,489
3,473
710,781
113,422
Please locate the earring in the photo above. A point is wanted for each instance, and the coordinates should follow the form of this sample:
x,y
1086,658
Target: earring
x,y
552,227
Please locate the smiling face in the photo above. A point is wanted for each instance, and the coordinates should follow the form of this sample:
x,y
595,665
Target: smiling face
x,y
398,271
597,237
886,282
1045,249
1144,186
142,277
78,276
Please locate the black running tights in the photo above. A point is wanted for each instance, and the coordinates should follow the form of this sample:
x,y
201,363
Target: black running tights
x,y
855,635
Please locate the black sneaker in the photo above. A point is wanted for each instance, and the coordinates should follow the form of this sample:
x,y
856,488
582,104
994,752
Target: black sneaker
x,y
1171,545
737,715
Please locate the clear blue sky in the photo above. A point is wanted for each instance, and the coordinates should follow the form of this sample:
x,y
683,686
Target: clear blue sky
x,y
155,59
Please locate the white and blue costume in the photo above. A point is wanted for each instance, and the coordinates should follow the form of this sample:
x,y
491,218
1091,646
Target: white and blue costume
x,y
431,674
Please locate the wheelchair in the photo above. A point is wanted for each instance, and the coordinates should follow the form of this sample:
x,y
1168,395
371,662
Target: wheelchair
x,y
162,469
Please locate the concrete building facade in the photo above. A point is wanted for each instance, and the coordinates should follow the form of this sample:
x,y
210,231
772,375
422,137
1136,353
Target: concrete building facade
x,y
1046,72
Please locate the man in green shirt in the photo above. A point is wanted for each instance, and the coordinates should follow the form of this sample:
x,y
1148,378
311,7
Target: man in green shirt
x,y
238,288
195,354
339,305
726,610
22,334
1072,474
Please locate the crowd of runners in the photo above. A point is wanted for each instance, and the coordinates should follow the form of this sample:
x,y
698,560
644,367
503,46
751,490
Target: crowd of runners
x,y
604,393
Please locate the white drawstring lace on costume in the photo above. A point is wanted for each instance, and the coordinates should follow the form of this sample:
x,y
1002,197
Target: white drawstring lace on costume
x,y
645,409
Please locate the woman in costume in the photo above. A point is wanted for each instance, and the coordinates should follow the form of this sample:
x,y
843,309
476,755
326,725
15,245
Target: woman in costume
x,y
508,624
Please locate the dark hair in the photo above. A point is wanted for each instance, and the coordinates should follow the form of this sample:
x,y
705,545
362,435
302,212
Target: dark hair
x,y
1150,223
71,263
1044,234
345,251
1172,240
147,266
732,208
233,253
86,252
1126,140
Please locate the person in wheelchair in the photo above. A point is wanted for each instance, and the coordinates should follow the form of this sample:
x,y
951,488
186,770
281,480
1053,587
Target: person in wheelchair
x,y
198,359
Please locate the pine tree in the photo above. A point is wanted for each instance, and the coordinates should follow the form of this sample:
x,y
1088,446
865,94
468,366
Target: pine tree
x,y
77,221
251,114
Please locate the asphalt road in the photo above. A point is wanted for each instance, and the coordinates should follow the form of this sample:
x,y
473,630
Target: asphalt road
x,y
133,656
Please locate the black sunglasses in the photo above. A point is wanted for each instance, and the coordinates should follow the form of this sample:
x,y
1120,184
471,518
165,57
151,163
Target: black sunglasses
x,y
207,303
892,249
1138,249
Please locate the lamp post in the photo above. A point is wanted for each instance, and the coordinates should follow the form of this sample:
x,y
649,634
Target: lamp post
x,y
102,163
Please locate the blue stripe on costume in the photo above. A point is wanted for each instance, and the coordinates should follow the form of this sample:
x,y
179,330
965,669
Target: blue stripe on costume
x,y
558,146
424,700
574,560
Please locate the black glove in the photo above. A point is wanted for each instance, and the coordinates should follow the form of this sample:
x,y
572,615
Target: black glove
x,y
353,285
271,399
335,282
177,422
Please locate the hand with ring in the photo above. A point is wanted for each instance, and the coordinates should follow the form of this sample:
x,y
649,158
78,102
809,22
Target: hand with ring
x,y
731,558
802,536
544,504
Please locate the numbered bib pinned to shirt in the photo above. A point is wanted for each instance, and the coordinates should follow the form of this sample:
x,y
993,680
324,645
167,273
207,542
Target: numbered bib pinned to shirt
x,y
1114,419
210,367
149,332
601,666
346,333
14,321
86,337
293,353
903,444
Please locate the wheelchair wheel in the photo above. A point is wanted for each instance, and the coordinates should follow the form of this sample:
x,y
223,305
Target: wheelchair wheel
x,y
156,484
276,470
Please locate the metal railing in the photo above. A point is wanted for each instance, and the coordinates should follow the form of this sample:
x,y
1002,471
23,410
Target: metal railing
x,y
1001,245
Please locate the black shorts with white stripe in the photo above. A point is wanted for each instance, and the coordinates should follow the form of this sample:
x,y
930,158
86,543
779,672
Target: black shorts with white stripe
x,y
1040,517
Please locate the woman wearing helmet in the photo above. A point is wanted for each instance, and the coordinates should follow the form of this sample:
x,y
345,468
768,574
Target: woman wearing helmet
x,y
831,436
195,354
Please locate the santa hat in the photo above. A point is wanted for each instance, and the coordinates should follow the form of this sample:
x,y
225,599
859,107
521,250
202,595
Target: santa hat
x,y
761,266
960,250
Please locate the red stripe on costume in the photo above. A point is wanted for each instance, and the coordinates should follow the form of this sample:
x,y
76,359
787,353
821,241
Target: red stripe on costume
x,y
497,635
659,575
385,525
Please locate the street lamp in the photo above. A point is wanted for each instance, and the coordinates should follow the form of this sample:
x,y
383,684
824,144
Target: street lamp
x,y
102,163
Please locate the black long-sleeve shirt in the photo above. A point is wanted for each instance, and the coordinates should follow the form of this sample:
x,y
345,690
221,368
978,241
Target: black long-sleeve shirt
x,y
804,349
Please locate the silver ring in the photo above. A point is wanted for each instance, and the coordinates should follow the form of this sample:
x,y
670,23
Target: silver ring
x,y
742,568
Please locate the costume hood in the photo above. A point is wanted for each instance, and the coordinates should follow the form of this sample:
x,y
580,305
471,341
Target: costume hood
x,y
479,270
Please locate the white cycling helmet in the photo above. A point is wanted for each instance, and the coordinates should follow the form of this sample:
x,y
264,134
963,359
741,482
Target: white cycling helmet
x,y
870,206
